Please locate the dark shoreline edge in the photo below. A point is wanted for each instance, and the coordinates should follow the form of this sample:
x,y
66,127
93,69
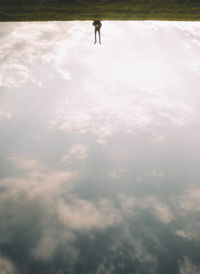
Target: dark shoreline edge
x,y
65,10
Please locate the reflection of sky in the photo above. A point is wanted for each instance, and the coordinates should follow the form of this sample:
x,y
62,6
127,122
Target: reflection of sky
x,y
99,163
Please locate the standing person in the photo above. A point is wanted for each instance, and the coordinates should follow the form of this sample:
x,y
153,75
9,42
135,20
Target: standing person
x,y
97,25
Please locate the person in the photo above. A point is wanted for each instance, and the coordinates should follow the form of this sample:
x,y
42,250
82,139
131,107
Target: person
x,y
97,25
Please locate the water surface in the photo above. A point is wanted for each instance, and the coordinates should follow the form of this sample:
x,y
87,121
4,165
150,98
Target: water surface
x,y
99,162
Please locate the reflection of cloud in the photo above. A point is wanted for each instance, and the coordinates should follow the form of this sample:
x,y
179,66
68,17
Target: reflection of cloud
x,y
187,267
13,75
104,116
84,215
45,206
34,201
27,44
53,238
35,218
190,201
30,201
156,173
79,152
188,206
148,91
64,216
143,255
116,174
159,209
135,252
19,211
160,138
5,115
41,179
182,234
6,267
105,267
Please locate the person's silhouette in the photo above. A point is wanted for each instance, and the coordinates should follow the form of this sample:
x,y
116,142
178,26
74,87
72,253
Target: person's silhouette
x,y
97,25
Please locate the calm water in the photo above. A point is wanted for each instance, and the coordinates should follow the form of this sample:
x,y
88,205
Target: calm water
x,y
99,148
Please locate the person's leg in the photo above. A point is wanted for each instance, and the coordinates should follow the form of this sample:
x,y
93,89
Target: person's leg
x,y
95,36
99,36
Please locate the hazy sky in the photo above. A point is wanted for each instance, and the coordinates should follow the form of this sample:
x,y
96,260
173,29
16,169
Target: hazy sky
x,y
99,148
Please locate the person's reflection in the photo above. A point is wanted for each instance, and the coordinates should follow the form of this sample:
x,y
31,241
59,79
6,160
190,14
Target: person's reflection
x,y
97,25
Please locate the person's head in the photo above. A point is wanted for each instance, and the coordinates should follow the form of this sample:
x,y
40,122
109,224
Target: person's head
x,y
96,23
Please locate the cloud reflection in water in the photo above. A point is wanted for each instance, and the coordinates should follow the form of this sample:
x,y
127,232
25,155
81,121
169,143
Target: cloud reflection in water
x,y
99,148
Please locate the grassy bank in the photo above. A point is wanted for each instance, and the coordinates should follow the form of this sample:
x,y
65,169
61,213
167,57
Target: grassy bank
x,y
43,10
